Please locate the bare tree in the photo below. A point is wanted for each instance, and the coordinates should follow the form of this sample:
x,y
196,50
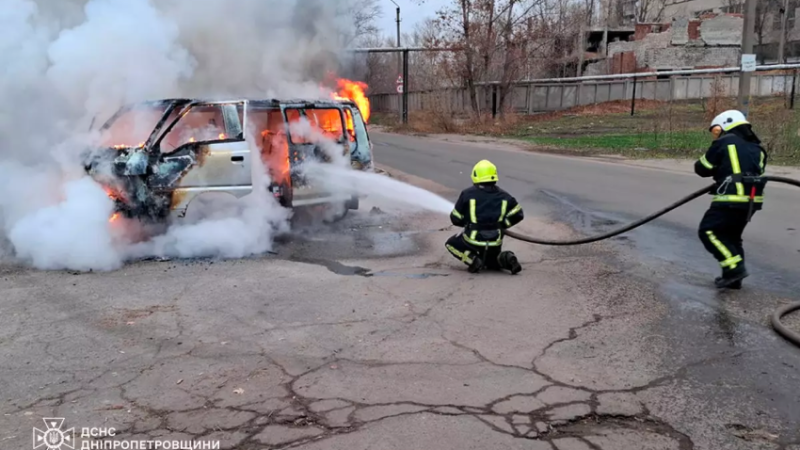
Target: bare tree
x,y
650,10
360,17
494,36
764,9
499,42
461,30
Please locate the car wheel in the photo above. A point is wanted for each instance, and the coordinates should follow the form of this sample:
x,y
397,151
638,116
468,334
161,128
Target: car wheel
x,y
335,213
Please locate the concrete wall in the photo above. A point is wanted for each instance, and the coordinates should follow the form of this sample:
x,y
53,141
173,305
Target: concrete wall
x,y
687,9
685,31
539,97
641,48
620,47
722,31
680,32
689,57
596,68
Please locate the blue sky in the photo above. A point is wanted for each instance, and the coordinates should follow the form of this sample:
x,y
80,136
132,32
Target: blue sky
x,y
410,14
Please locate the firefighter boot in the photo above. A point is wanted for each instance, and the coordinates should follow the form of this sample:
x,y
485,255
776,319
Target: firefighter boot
x,y
508,260
731,279
476,265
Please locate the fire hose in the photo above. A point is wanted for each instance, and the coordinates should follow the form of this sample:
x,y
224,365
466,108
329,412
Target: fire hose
x,y
777,325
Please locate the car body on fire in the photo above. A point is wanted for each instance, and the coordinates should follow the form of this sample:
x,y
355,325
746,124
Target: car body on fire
x,y
157,157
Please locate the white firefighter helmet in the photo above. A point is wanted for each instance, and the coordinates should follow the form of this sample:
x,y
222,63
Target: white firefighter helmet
x,y
728,120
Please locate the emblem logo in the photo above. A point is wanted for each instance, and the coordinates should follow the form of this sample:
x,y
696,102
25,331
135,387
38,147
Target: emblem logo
x,y
52,437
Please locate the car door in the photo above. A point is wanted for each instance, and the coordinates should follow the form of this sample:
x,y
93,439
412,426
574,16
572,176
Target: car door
x,y
324,119
205,149
361,155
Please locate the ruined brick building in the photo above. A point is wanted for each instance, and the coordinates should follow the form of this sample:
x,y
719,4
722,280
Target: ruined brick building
x,y
708,42
692,34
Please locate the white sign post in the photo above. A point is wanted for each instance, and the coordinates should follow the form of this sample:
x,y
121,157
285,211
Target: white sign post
x,y
748,63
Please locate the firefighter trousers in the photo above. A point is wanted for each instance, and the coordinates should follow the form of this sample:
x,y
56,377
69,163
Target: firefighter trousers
x,y
494,258
721,233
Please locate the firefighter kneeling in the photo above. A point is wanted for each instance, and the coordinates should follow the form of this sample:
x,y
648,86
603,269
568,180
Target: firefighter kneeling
x,y
736,161
485,211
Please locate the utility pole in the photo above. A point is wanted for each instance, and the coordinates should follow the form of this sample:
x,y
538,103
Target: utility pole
x,y
398,25
748,36
528,65
399,62
405,51
782,45
581,51
605,28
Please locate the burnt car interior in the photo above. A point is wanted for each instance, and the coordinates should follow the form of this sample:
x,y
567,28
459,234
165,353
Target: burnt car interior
x,y
153,145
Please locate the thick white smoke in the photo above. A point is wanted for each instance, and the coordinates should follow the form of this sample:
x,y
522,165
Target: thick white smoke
x,y
69,64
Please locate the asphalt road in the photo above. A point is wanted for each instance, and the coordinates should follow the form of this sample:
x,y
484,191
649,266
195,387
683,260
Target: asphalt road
x,y
368,335
618,192
596,195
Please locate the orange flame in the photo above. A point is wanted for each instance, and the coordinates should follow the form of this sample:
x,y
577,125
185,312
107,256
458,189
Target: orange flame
x,y
123,146
110,193
354,90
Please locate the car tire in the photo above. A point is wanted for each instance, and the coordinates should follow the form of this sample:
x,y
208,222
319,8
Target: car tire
x,y
337,217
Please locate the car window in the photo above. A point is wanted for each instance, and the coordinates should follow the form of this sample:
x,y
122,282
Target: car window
x,y
293,116
328,121
351,132
133,127
271,130
362,152
202,123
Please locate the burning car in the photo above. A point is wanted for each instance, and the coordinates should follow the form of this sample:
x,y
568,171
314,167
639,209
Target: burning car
x,y
157,157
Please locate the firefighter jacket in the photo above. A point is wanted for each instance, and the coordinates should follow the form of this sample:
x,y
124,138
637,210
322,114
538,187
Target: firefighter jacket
x,y
485,211
731,161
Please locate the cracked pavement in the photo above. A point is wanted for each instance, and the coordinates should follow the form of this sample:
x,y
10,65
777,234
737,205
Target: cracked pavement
x,y
368,335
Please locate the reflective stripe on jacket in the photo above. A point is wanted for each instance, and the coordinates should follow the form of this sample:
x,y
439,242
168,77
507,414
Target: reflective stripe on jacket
x,y
728,160
485,211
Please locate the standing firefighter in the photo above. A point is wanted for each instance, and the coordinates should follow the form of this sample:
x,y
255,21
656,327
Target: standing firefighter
x,y
485,211
735,160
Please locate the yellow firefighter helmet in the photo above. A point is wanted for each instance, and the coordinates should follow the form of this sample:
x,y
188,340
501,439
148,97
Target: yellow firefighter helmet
x,y
484,172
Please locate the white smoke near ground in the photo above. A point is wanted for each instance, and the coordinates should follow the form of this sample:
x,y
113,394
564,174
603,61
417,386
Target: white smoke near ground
x,y
70,64
82,216
222,227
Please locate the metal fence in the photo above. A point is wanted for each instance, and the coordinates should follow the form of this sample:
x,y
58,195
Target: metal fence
x,y
529,97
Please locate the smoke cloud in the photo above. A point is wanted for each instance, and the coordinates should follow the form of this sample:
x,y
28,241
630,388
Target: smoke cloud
x,y
68,65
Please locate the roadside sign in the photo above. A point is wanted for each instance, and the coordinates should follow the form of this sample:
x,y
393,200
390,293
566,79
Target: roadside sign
x,y
399,79
399,88
748,63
